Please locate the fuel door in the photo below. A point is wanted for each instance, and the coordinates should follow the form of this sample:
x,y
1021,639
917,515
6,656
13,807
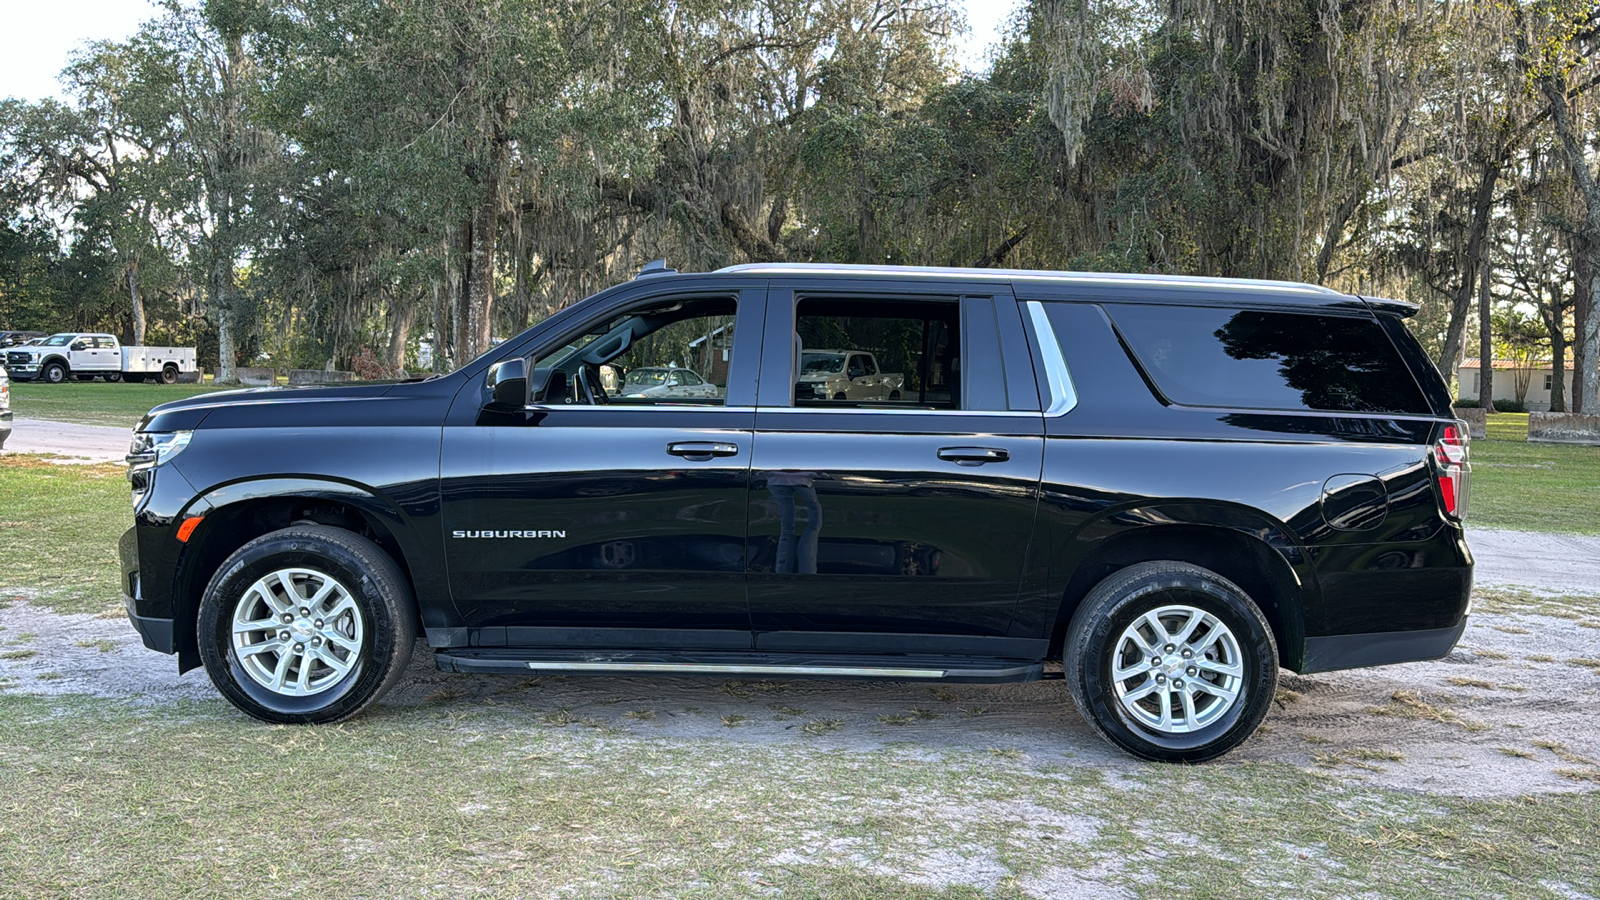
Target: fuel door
x,y
1354,502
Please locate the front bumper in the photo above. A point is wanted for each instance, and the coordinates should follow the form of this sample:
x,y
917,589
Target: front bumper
x,y
5,426
156,632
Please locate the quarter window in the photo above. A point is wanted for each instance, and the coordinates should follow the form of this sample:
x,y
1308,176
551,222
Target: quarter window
x,y
1253,359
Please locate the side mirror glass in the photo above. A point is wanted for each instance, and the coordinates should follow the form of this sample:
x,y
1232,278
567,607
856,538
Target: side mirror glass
x,y
508,383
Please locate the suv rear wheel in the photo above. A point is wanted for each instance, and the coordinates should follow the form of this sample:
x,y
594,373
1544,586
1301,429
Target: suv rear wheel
x,y
1171,662
306,624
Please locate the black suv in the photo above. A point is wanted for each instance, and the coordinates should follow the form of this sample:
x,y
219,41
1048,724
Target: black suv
x,y
1173,486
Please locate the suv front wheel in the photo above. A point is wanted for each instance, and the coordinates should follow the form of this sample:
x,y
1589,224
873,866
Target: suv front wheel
x,y
1171,662
307,624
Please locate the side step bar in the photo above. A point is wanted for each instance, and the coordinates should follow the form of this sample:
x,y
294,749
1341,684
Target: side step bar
x,y
764,665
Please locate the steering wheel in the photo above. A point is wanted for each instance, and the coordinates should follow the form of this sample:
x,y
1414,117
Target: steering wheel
x,y
594,393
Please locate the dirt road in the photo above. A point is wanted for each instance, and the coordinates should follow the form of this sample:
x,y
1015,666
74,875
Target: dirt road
x,y
74,443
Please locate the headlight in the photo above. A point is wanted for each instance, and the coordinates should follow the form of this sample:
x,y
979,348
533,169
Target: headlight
x,y
150,449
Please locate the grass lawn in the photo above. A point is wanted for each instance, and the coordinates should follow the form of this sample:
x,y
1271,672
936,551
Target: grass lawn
x,y
95,403
108,799
1532,486
58,530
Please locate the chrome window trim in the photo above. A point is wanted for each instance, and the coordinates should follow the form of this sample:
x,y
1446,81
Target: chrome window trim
x,y
636,407
1063,397
828,410
897,412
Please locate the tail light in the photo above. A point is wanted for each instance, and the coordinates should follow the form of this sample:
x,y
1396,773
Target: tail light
x,y
1450,466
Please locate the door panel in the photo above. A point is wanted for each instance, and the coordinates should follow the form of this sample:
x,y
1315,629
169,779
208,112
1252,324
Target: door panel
x,y
587,518
617,524
914,518
854,528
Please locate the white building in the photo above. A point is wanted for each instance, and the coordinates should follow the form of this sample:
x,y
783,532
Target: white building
x,y
1508,374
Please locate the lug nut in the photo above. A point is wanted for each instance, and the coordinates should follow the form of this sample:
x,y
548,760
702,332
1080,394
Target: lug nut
x,y
1178,683
1155,660
287,618
317,642
319,623
1191,671
1169,648
304,611
1188,654
283,635
299,648
1161,679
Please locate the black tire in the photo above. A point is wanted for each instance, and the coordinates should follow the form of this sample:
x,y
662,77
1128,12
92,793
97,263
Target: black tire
x,y
894,395
169,374
53,372
381,644
1105,630
113,377
840,396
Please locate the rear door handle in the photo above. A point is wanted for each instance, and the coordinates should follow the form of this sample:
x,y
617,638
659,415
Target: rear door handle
x,y
700,451
973,456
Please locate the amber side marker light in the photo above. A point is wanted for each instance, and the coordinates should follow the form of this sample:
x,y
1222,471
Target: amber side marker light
x,y
187,528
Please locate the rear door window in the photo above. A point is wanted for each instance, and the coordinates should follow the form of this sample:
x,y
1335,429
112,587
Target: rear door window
x,y
1256,359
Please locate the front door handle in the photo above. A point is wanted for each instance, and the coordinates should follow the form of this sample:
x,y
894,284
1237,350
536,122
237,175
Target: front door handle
x,y
700,451
973,456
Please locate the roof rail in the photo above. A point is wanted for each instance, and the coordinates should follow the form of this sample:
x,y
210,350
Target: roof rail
x,y
655,267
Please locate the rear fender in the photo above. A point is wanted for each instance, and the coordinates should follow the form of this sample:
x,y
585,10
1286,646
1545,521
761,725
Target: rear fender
x,y
1243,544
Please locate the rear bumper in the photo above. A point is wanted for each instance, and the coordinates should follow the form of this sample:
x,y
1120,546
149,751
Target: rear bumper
x,y
5,426
1355,651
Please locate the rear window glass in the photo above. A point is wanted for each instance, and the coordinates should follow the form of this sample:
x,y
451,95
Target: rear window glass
x,y
1250,359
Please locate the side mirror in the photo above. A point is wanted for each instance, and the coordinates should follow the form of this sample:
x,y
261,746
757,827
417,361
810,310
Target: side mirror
x,y
508,383
80,345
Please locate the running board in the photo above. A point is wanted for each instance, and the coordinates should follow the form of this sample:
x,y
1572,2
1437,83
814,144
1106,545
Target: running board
x,y
762,665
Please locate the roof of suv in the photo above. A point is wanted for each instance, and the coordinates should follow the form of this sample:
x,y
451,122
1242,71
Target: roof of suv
x,y
1119,279
1118,287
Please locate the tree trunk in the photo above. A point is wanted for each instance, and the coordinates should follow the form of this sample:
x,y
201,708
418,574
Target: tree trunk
x,y
222,307
480,277
1482,204
1580,273
404,314
458,301
1558,360
438,330
1586,380
138,302
1587,351
1485,343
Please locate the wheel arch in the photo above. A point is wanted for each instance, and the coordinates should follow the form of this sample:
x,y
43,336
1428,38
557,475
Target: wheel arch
x,y
1244,546
238,513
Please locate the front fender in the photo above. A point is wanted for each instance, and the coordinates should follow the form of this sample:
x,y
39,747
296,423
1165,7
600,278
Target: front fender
x,y
239,512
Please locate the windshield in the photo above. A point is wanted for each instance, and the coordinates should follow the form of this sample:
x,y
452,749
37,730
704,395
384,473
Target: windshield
x,y
60,340
821,363
646,378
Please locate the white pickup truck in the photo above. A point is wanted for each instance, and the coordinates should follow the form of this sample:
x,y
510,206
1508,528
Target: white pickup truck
x,y
845,375
84,355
